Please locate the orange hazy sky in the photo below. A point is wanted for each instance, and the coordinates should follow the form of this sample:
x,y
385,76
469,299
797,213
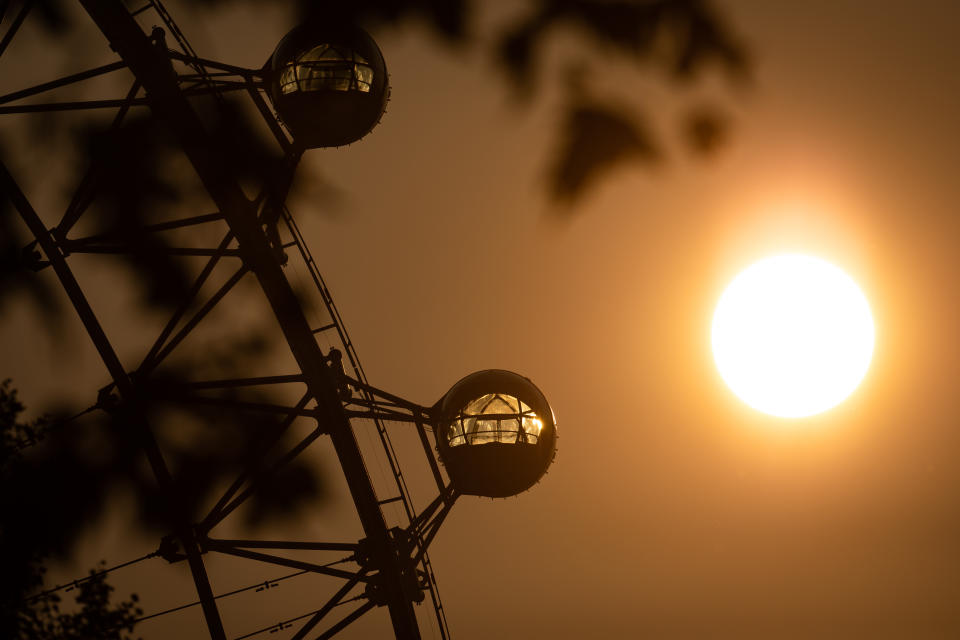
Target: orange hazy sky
x,y
672,510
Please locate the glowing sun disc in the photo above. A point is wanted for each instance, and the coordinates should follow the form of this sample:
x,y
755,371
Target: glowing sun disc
x,y
792,336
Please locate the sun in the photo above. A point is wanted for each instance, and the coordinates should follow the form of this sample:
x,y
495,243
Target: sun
x,y
792,335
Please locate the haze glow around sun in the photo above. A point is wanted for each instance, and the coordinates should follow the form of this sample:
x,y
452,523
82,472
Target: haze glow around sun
x,y
792,335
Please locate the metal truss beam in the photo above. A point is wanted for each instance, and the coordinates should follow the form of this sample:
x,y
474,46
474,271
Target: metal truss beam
x,y
346,621
267,444
82,247
62,82
79,105
287,544
201,313
214,518
214,545
150,228
151,360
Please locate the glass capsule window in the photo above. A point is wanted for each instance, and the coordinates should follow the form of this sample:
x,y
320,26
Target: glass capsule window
x,y
494,417
326,68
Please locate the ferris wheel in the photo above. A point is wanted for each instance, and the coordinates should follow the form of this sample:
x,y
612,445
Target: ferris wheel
x,y
325,85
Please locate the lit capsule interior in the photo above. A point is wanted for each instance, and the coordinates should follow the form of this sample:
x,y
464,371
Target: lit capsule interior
x,y
498,434
328,84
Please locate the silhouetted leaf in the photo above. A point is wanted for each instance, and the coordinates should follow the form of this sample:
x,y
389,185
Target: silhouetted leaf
x,y
685,35
516,54
702,38
595,139
705,129
53,15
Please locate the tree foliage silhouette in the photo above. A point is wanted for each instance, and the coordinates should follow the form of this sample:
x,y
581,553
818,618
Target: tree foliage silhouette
x,y
37,527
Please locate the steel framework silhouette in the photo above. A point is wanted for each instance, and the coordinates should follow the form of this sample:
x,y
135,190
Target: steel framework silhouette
x,y
258,240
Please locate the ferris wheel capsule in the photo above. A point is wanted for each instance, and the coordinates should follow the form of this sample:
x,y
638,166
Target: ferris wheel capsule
x,y
328,84
497,434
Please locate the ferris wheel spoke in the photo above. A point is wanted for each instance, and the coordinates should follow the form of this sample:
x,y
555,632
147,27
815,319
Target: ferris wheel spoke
x,y
151,358
171,344
266,445
259,478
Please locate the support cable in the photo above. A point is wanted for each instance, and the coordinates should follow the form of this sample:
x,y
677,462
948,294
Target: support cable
x,y
76,583
285,624
41,433
260,586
